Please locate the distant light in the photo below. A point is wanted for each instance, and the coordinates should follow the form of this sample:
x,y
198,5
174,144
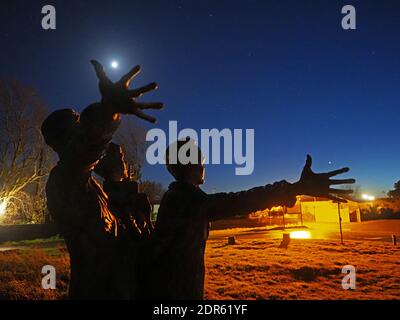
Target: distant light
x,y
114,64
3,207
368,197
276,209
300,235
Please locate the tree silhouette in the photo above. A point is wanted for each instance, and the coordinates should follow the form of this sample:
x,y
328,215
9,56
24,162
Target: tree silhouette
x,y
395,193
24,157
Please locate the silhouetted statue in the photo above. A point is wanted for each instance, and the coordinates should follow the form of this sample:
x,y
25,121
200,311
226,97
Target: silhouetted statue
x,y
76,201
181,231
132,210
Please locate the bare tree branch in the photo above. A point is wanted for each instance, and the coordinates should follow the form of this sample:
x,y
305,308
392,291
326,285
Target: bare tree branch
x,y
24,157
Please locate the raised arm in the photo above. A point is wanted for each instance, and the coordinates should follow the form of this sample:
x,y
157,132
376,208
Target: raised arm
x,y
222,205
99,121
117,98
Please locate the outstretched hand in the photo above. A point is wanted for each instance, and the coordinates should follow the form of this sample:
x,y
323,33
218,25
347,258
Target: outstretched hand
x,y
319,184
121,98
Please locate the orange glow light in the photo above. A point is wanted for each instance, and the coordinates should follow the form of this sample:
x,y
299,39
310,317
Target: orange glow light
x,y
300,235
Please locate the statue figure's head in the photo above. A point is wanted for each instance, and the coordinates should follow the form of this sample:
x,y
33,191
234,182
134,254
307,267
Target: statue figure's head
x,y
59,127
113,165
185,162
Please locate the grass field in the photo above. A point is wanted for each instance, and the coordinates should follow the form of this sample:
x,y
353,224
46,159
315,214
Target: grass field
x,y
250,269
307,269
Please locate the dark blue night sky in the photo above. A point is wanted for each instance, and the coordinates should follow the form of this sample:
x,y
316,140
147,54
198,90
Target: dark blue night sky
x,y
285,68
